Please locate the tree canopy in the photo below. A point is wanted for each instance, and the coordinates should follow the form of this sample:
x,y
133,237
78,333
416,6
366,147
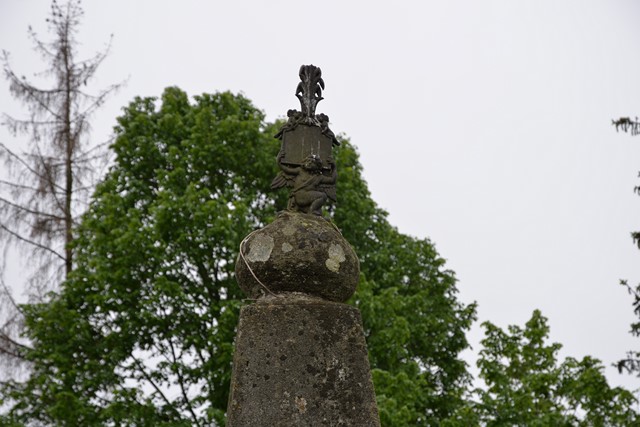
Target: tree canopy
x,y
141,332
526,384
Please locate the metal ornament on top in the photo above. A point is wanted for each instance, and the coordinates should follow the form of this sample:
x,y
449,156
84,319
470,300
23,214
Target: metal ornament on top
x,y
305,159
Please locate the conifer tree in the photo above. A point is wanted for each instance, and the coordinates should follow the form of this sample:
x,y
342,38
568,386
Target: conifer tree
x,y
45,185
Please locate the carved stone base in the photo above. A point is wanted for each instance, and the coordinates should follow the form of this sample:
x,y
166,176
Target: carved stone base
x,y
301,361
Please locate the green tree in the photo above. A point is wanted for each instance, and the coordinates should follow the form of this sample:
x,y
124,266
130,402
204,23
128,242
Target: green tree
x,y
526,384
141,332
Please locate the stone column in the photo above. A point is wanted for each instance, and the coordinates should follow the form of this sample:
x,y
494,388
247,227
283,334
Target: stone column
x,y
300,357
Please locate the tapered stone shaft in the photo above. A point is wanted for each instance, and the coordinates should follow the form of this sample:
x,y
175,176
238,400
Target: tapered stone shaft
x,y
301,361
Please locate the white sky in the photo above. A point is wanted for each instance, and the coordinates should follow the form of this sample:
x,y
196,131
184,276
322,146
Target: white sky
x,y
483,125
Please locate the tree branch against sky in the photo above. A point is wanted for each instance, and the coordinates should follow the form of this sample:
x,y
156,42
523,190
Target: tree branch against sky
x,y
45,184
631,363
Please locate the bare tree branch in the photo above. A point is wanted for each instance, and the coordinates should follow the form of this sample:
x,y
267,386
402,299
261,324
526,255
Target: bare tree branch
x,y
31,211
14,343
147,377
181,381
15,185
31,242
10,297
20,160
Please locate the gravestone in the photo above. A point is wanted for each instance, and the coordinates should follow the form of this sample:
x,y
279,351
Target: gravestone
x,y
300,353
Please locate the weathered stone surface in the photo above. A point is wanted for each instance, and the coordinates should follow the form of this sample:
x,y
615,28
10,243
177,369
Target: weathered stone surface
x,y
298,253
300,361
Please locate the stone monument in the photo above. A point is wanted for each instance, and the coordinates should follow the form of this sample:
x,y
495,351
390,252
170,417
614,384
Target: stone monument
x,y
300,354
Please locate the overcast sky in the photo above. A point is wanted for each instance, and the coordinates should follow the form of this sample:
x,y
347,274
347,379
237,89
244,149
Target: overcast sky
x,y
482,125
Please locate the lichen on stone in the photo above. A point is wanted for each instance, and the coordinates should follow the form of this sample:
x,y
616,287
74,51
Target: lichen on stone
x,y
260,248
336,256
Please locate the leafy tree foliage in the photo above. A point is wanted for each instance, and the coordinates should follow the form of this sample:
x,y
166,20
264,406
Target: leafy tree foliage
x,y
631,363
141,332
626,124
526,385
45,188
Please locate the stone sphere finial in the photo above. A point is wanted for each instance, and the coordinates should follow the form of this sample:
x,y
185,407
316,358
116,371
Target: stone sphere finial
x,y
298,253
